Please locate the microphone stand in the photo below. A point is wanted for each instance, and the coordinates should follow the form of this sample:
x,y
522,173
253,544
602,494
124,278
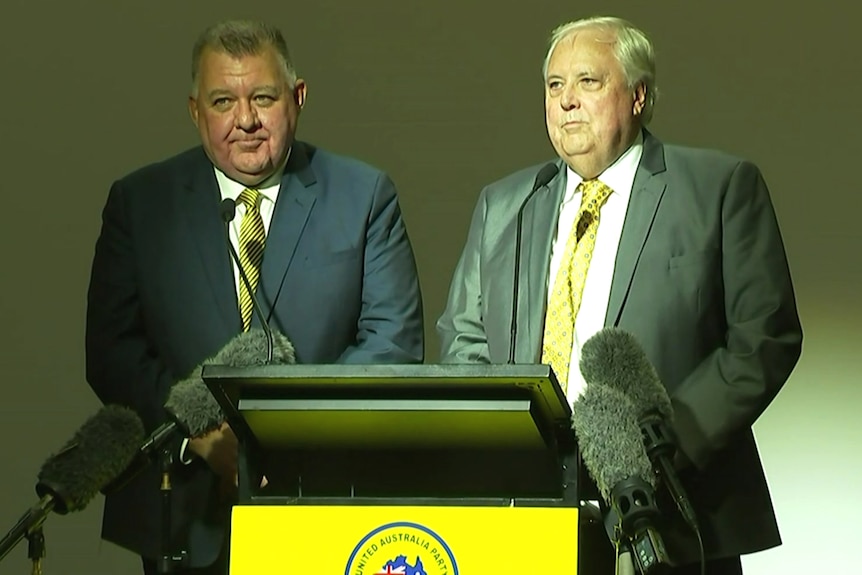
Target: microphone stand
x,y
36,549
169,560
29,523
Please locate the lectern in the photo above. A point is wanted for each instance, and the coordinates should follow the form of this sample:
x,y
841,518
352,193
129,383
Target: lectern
x,y
413,469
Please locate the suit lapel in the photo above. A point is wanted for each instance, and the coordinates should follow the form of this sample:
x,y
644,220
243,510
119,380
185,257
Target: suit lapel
x,y
647,191
540,225
295,200
200,205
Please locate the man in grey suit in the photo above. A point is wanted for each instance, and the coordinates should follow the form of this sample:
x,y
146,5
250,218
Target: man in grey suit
x,y
686,255
337,277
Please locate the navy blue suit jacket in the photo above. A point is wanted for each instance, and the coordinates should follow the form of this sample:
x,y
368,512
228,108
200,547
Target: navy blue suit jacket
x,y
338,278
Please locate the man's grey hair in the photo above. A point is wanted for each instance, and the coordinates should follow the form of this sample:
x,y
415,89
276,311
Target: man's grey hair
x,y
633,50
240,38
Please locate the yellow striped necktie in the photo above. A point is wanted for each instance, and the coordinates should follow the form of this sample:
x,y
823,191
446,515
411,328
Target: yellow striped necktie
x,y
252,238
565,300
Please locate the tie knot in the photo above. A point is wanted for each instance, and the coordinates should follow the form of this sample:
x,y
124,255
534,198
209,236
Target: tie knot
x,y
250,198
594,194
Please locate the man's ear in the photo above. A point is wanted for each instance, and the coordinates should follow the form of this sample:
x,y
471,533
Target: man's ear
x,y
300,90
639,99
193,110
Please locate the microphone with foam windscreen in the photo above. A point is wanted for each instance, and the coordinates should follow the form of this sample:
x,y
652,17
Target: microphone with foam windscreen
x,y
543,178
613,357
192,408
227,209
190,402
251,348
609,439
98,452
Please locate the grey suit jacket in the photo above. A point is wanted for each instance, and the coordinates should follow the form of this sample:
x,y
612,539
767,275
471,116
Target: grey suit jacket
x,y
338,278
700,278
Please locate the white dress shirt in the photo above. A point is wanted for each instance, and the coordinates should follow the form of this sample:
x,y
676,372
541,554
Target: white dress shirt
x,y
619,177
230,189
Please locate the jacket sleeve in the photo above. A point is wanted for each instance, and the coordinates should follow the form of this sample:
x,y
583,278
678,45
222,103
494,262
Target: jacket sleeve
x,y
461,327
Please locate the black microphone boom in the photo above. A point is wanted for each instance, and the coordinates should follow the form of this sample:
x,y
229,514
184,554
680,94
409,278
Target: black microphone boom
x,y
613,357
543,178
228,212
145,453
98,452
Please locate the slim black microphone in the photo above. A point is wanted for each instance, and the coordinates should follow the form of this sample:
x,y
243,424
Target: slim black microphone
x,y
98,452
228,212
543,178
192,409
610,444
613,357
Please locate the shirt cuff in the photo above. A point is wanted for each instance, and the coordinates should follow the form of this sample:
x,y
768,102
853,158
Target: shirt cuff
x,y
185,458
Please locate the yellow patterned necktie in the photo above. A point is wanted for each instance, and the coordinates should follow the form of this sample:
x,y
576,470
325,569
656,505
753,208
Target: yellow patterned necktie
x,y
252,238
565,300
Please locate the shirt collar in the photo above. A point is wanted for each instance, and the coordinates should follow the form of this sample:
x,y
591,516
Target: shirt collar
x,y
268,188
619,176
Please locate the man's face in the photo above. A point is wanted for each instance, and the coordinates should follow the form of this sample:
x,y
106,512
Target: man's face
x,y
246,113
591,115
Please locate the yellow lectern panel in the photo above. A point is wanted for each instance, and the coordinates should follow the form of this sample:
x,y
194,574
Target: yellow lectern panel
x,y
388,540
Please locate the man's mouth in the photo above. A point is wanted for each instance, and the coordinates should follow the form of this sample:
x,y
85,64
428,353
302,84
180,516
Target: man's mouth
x,y
248,144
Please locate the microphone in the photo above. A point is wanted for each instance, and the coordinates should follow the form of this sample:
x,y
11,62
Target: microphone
x,y
613,357
191,406
69,479
256,347
545,175
227,209
610,443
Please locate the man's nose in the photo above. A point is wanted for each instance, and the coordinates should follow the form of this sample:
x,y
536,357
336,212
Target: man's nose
x,y
569,98
246,116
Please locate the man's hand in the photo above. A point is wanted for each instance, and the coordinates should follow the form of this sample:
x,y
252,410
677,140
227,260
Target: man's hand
x,y
220,449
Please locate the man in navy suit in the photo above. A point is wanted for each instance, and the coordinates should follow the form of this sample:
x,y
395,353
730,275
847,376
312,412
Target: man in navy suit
x,y
338,275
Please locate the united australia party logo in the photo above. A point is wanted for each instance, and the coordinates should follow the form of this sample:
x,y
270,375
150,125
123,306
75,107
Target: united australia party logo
x,y
401,548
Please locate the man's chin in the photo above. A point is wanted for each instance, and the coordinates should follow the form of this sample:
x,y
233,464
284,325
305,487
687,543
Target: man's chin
x,y
575,147
251,172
